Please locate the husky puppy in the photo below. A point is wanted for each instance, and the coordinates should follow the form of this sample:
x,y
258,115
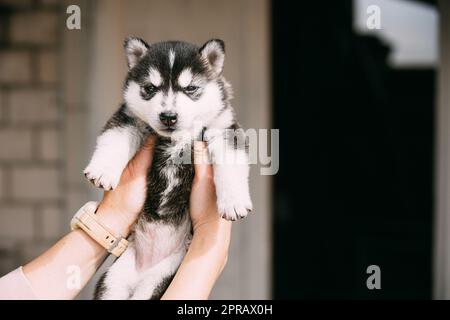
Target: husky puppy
x,y
176,91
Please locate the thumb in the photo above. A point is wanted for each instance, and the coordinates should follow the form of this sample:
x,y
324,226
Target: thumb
x,y
202,165
143,158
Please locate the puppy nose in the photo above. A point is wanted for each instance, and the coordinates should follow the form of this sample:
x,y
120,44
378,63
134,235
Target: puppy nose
x,y
168,118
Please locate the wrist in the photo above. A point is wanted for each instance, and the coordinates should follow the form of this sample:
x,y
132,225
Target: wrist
x,y
212,238
114,219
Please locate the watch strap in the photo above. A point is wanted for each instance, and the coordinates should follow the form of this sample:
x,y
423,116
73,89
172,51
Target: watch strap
x,y
86,220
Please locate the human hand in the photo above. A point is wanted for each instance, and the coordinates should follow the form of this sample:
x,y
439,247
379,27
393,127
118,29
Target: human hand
x,y
208,251
121,207
203,201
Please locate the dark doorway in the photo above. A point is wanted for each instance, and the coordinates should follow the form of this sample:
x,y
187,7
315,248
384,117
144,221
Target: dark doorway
x,y
355,182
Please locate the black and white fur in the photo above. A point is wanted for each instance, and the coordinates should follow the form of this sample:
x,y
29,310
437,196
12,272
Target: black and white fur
x,y
176,91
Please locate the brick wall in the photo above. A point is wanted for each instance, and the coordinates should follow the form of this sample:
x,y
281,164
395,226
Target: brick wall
x,y
31,155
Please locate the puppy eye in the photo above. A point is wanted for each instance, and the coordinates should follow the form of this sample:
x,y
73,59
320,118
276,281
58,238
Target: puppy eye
x,y
150,89
190,89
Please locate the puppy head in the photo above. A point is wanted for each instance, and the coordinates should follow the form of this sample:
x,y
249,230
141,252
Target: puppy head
x,y
175,86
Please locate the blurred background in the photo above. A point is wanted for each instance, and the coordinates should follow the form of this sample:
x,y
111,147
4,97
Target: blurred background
x,y
363,115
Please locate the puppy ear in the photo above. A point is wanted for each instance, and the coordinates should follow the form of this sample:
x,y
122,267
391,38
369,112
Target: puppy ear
x,y
213,52
135,49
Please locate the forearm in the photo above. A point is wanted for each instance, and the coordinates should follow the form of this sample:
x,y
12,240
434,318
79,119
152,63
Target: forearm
x,y
63,270
53,275
203,263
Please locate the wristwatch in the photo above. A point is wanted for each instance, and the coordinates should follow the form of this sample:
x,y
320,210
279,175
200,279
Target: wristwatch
x,y
86,219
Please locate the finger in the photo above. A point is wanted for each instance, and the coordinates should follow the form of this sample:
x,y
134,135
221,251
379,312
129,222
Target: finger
x,y
143,159
150,142
202,165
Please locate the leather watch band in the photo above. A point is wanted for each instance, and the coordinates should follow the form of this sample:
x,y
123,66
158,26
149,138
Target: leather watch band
x,y
86,220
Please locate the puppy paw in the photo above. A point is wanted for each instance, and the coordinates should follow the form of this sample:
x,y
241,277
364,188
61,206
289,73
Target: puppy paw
x,y
102,176
234,208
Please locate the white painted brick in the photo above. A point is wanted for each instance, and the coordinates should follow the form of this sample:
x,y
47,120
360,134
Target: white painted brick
x,y
35,184
51,222
34,28
16,144
47,62
76,198
74,75
33,106
75,150
15,67
16,222
49,147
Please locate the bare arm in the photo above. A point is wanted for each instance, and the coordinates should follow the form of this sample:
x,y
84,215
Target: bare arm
x,y
50,273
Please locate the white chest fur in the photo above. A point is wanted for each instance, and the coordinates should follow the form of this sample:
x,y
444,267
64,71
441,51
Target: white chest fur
x,y
154,241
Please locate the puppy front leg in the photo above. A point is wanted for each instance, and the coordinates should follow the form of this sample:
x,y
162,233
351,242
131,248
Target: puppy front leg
x,y
119,142
231,171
